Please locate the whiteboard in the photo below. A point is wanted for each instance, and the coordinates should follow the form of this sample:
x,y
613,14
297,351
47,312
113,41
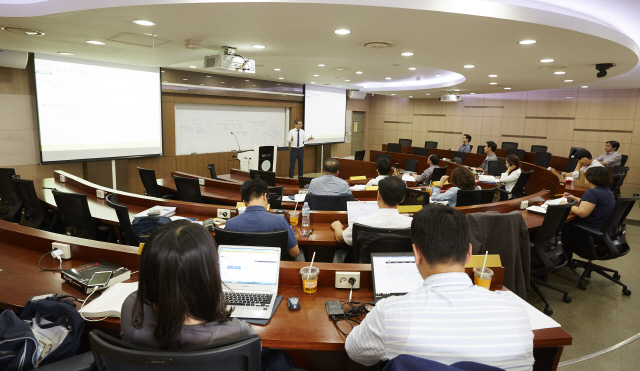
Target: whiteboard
x,y
206,128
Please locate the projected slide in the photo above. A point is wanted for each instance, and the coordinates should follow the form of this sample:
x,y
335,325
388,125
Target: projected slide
x,y
96,110
325,112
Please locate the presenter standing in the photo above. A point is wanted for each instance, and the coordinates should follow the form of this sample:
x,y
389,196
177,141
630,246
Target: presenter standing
x,y
296,141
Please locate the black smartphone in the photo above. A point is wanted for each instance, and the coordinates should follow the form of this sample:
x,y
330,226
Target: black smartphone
x,y
100,279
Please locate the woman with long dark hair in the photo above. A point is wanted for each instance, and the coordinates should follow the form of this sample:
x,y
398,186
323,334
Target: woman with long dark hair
x,y
510,177
461,178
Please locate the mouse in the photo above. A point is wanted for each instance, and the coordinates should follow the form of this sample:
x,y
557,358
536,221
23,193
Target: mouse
x,y
293,303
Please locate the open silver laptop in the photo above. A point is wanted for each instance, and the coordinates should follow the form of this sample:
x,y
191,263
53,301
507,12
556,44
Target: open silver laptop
x,y
394,274
250,279
356,209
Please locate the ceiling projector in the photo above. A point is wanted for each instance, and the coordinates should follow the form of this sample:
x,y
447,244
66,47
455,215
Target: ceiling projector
x,y
449,97
228,60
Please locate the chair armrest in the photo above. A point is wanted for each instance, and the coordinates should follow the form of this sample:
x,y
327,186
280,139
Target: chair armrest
x,y
589,230
80,362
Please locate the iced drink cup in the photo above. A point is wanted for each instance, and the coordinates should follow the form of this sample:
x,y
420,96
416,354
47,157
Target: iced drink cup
x,y
309,279
482,279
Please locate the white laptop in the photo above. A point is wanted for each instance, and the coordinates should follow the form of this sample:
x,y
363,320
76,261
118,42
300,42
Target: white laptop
x,y
249,279
394,274
357,209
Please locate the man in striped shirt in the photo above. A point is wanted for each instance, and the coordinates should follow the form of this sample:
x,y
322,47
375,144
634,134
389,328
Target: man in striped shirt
x,y
448,319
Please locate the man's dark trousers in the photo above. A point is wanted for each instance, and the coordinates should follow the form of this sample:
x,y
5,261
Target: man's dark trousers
x,y
296,153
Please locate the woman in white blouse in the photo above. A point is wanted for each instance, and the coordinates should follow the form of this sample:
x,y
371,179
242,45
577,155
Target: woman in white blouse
x,y
510,177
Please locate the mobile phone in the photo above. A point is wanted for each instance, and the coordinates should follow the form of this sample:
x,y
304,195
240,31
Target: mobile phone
x,y
100,279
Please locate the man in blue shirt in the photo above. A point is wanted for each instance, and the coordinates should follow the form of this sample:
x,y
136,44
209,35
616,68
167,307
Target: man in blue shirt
x,y
256,218
465,147
329,184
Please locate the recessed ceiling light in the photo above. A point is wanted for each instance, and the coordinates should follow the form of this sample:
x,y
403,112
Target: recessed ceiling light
x,y
406,54
507,88
193,67
247,80
569,97
66,53
456,89
280,78
150,34
258,46
347,80
559,73
493,75
208,76
312,82
94,42
359,72
142,22
548,60
185,79
387,78
472,93
392,94
493,83
222,82
278,84
253,85
22,30
322,65
411,96
342,31
412,68
201,84
468,66
584,87
527,42
438,75
162,71
316,75
568,80
277,69
165,81
428,94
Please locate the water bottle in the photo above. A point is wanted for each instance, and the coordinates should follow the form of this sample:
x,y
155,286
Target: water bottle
x,y
306,214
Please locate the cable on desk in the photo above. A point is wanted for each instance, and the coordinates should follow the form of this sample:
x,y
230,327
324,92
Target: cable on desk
x,y
352,313
83,303
49,270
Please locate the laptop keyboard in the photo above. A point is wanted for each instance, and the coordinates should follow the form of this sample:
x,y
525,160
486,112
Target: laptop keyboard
x,y
247,299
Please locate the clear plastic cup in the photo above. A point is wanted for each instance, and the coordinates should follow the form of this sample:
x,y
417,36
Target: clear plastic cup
x,y
482,279
309,279
293,217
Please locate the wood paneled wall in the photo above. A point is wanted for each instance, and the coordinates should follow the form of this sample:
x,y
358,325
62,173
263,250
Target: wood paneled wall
x,y
359,105
559,119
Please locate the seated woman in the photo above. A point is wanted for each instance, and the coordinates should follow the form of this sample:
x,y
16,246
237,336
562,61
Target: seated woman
x,y
592,210
461,178
510,177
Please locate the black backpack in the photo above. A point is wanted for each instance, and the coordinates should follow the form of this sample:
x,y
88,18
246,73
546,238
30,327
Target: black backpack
x,y
145,225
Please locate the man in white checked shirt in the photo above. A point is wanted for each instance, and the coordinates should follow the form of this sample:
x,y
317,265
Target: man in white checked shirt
x,y
296,141
448,319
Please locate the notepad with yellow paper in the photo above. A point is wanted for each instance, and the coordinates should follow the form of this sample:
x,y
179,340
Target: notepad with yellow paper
x,y
360,177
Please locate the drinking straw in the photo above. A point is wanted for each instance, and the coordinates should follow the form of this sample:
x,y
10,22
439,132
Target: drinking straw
x,y
483,264
311,265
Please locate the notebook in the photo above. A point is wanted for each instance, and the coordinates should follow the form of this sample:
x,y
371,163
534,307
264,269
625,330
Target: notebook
x,y
110,302
357,209
249,276
394,274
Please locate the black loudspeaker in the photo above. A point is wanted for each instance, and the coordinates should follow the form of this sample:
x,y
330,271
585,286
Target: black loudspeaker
x,y
266,158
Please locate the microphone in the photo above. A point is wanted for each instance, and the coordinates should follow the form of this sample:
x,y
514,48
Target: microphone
x,y
236,140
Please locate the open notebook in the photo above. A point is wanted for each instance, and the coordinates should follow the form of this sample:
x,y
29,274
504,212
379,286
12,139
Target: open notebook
x,y
110,302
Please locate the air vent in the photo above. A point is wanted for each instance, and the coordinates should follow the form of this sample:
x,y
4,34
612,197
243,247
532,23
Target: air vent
x,y
341,68
23,31
378,44
138,40
554,67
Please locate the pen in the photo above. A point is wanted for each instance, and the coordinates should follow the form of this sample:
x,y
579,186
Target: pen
x,y
310,233
562,194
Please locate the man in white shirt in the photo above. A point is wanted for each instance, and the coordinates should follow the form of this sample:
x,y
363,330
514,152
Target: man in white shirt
x,y
448,319
383,168
296,141
586,161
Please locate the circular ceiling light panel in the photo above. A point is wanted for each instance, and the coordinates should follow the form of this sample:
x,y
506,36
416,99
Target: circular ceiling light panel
x,y
322,65
559,73
66,53
468,66
258,46
359,72
342,31
406,54
548,60
95,42
527,42
142,22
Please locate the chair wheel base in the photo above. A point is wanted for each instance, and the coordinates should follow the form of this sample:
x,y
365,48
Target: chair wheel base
x,y
548,311
582,286
626,292
616,276
567,299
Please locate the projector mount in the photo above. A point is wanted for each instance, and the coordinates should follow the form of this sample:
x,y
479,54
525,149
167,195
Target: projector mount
x,y
230,50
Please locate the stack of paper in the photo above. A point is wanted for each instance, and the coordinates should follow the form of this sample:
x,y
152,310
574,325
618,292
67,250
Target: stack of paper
x,y
487,179
358,187
164,211
295,198
408,178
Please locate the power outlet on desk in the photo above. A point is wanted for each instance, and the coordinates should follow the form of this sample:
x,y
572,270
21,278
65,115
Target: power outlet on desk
x,y
224,213
100,193
63,178
64,247
524,205
342,280
201,181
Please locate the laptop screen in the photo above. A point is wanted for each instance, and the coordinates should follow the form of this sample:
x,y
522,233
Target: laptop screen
x,y
356,209
249,265
395,273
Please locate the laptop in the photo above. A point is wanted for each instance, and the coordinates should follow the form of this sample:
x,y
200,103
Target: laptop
x,y
394,274
357,209
249,277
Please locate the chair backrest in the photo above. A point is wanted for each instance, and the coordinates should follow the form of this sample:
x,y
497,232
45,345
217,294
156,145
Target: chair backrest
x,y
113,354
303,182
461,155
616,179
33,213
480,150
619,169
613,229
275,197
394,147
408,362
421,151
509,145
536,148
74,210
415,197
127,236
367,240
212,171
380,155
546,245
188,189
405,142
149,182
267,239
518,152
518,189
268,176
475,197
328,203
571,165
10,202
542,159
430,144
359,155
438,173
623,160
496,168
574,150
411,164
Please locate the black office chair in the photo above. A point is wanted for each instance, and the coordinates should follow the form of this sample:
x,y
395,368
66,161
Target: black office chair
x,y
34,214
367,240
74,211
212,171
380,155
623,160
421,151
268,176
127,237
509,145
616,182
480,150
475,197
571,165
188,189
394,147
430,144
113,354
574,150
518,152
150,183
268,239
619,169
359,156
547,255
496,168
438,173
461,155
470,148
608,243
518,189
303,182
542,159
328,203
405,142
415,197
275,197
411,164
537,148
10,203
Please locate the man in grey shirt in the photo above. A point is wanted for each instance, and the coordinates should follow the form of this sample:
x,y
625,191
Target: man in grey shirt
x,y
425,177
491,156
465,147
329,184
611,156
